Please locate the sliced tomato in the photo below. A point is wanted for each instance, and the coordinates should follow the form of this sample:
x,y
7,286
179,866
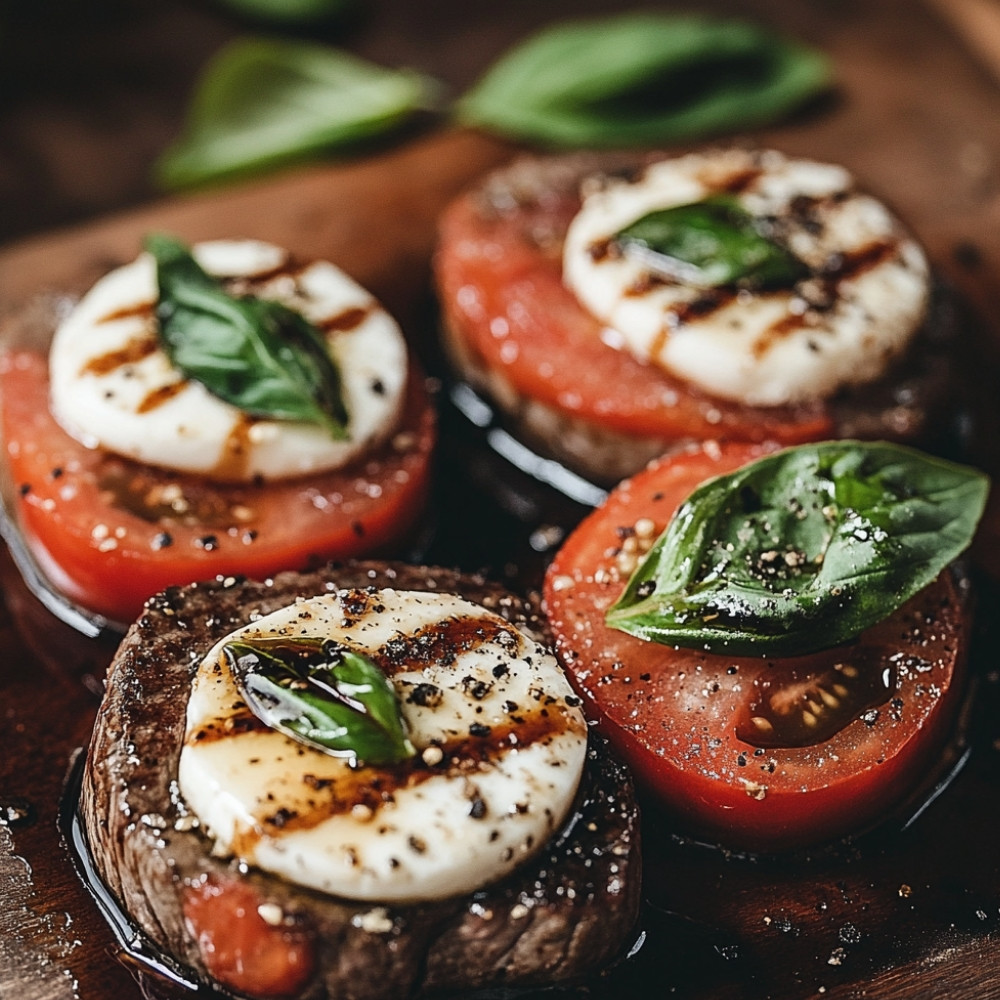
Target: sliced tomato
x,y
501,291
108,532
246,943
755,753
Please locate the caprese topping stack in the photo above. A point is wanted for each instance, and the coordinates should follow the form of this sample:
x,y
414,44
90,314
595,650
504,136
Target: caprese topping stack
x,y
615,311
225,410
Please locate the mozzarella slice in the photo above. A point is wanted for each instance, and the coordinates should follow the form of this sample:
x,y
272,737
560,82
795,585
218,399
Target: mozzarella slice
x,y
113,386
500,741
866,297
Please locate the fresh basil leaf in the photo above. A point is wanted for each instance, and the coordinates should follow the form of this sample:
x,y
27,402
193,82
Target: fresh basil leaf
x,y
262,103
258,355
323,695
642,79
801,550
711,243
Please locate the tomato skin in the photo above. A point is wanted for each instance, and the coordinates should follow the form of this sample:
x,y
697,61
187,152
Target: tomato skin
x,y
98,549
673,713
502,294
239,948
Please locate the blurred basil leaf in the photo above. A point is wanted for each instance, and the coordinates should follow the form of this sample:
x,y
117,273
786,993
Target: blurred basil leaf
x,y
642,79
264,102
290,12
711,244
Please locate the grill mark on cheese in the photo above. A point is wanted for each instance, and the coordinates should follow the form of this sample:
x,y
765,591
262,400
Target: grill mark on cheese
x,y
287,266
134,351
736,183
853,263
242,720
648,282
344,322
142,309
788,324
606,249
159,396
372,788
702,306
845,267
659,342
443,642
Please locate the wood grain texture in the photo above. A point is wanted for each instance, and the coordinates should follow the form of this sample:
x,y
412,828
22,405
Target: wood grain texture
x,y
903,915
375,218
978,22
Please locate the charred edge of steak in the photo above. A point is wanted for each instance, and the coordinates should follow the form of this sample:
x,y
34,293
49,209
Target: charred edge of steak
x,y
567,912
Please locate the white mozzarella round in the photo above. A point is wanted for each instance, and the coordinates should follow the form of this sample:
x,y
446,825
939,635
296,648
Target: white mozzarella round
x,y
768,347
468,818
114,387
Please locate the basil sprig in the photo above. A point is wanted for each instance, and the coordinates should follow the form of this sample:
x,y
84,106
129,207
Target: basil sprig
x,y
262,103
710,244
256,354
801,550
323,695
640,79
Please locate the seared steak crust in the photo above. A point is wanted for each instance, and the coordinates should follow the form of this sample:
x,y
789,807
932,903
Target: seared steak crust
x,y
567,912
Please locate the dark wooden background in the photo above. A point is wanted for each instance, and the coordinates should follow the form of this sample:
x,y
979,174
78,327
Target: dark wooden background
x,y
89,95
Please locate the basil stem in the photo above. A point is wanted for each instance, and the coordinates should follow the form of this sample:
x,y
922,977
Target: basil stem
x,y
641,79
258,355
262,103
801,550
323,695
711,243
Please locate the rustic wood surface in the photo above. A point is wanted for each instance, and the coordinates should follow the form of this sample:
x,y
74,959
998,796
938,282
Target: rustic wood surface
x,y
902,915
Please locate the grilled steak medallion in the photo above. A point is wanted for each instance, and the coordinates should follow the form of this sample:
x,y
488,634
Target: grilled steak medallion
x,y
566,911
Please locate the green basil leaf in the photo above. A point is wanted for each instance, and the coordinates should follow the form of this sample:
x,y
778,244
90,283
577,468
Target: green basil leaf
x,y
711,243
801,550
258,355
288,12
643,79
262,103
323,695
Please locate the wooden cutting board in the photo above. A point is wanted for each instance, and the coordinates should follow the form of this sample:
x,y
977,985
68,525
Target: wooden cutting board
x,y
913,914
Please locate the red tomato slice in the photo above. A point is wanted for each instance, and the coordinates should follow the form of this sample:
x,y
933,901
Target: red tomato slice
x,y
239,947
683,719
501,290
109,532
